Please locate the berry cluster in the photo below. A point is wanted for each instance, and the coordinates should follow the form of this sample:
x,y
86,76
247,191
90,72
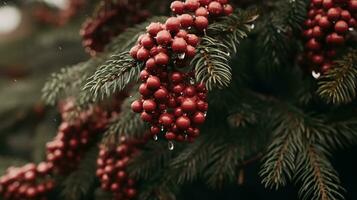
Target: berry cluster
x,y
28,182
75,137
170,101
326,28
110,20
46,15
112,170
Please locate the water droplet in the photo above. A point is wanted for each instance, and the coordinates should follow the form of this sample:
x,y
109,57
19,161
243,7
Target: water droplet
x,y
278,31
351,29
252,26
228,54
205,114
186,137
171,145
189,28
181,56
316,75
162,128
192,81
15,80
131,96
155,137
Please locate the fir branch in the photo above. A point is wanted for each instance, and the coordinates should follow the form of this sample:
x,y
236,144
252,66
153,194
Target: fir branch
x,y
111,77
128,124
294,12
339,84
67,79
79,183
211,63
318,178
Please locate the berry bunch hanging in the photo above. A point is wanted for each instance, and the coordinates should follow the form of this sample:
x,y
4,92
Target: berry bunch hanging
x,y
28,182
110,20
170,101
328,23
75,137
111,170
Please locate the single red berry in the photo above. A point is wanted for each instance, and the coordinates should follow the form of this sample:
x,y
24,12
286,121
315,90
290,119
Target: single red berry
x,y
308,33
317,32
201,11
199,118
114,187
182,34
147,41
353,5
31,192
333,14
183,123
153,83
190,91
201,23
186,20
166,119
326,67
202,106
176,77
143,54
313,44
192,39
154,130
163,37
161,94
150,64
335,39
146,117
162,59
149,105
177,7
190,51
178,112
318,59
341,27
179,45
327,4
228,9
130,193
352,22
346,15
173,24
134,51
317,3
178,88
170,136
144,75
154,28
143,90
324,22
188,105
215,8
205,2
192,5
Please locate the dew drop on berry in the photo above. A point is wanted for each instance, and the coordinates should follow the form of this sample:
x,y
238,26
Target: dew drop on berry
x,y
316,75
155,137
181,56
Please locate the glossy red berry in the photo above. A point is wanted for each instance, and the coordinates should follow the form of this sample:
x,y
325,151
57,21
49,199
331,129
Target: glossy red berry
x,y
147,41
192,39
228,9
170,136
190,51
173,24
163,37
153,83
341,27
176,77
161,94
201,11
134,51
149,105
166,119
192,5
333,14
201,23
154,28
313,44
186,20
177,7
183,123
215,8
199,118
188,105
179,45
162,59
143,54
327,4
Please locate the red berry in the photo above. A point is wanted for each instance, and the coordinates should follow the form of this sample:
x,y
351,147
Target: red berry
x,y
345,15
177,7
327,4
201,11
317,3
324,22
186,20
312,44
143,90
143,54
192,5
183,123
154,130
114,187
192,39
308,33
178,88
161,94
318,59
170,136
166,119
190,51
353,5
153,83
30,176
144,74
146,117
121,175
341,26
199,118
31,192
325,67
150,64
222,1
179,45
205,2
215,8
178,112
333,14
161,59
176,77
147,42
130,193
190,91
317,32
134,51
173,24
228,9
149,105
201,23
335,39
202,106
163,37
182,33
188,105
352,22
154,28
